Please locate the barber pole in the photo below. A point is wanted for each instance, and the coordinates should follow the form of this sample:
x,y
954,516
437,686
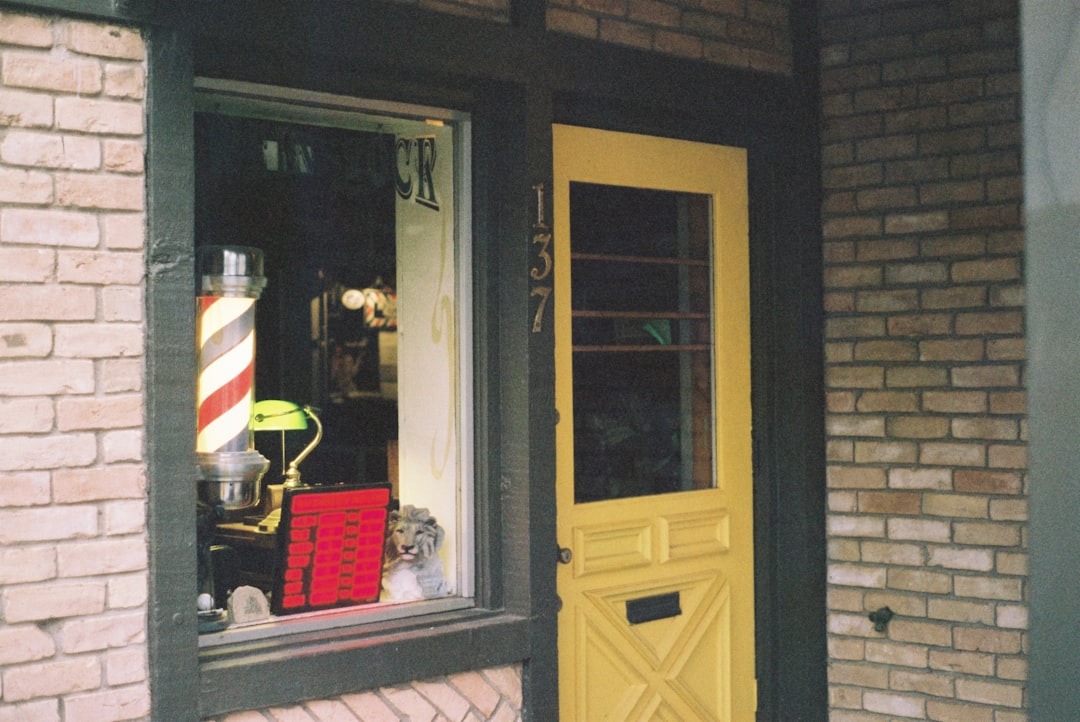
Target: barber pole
x,y
226,373
230,282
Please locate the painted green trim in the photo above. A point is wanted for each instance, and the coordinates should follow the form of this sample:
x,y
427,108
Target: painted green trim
x,y
324,665
170,374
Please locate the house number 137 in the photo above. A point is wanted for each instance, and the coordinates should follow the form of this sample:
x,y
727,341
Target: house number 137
x,y
541,241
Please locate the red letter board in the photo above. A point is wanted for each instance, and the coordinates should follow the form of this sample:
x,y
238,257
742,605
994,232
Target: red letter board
x,y
330,547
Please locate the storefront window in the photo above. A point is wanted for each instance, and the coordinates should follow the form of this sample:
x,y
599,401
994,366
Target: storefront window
x,y
359,211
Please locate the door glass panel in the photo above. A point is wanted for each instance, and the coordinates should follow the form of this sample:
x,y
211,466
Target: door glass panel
x,y
642,341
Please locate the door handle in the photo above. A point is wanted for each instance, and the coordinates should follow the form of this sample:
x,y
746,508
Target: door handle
x,y
565,555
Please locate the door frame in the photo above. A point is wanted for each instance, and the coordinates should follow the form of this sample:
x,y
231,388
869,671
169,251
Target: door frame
x,y
787,332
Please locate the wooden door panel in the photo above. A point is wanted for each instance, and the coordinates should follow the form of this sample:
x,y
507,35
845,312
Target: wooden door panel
x,y
695,534
653,487
679,663
600,548
611,686
654,641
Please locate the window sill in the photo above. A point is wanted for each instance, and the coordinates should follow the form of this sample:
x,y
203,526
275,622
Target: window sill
x,y
333,660
332,619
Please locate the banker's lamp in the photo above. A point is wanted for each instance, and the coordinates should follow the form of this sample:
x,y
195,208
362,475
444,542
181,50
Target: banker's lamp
x,y
276,415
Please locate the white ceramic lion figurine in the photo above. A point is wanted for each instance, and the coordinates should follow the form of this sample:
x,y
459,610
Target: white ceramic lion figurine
x,y
412,568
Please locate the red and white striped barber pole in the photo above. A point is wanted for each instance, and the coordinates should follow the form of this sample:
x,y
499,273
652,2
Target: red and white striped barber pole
x,y
230,282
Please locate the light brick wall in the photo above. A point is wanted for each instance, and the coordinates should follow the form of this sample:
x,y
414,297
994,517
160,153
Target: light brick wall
x,y
754,34
73,560
489,695
925,423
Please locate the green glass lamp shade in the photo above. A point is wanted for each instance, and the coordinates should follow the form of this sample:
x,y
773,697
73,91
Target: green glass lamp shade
x,y
276,415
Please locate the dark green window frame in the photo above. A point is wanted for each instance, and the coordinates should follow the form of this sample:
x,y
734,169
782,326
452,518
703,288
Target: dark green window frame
x,y
501,628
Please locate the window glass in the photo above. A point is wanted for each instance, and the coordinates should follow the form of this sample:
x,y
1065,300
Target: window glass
x,y
642,342
359,210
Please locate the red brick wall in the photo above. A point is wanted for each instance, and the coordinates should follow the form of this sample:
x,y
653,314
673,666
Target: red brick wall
x,y
498,10
752,34
924,352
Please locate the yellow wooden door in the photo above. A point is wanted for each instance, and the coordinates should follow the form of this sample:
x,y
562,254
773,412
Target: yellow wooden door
x,y
655,518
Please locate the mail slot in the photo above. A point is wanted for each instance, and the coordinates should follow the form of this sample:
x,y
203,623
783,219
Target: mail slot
x,y
648,609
